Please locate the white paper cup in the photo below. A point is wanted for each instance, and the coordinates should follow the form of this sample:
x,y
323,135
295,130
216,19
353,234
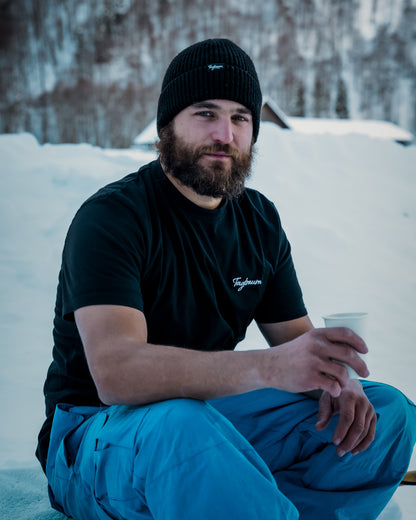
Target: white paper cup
x,y
356,321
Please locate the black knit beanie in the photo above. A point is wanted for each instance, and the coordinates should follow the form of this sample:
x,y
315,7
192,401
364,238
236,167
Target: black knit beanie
x,y
211,69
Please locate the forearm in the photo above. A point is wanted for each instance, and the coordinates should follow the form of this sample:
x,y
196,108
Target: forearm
x,y
142,373
128,370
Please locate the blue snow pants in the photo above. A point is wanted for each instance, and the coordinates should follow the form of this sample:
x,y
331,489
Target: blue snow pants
x,y
247,457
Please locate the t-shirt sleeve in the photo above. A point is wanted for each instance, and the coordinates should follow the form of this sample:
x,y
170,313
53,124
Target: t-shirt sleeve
x,y
282,300
102,258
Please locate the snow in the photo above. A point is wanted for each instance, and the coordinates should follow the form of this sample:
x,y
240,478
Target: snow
x,y
377,129
347,203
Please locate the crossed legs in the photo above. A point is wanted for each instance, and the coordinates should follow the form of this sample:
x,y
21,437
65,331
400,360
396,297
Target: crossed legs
x,y
252,456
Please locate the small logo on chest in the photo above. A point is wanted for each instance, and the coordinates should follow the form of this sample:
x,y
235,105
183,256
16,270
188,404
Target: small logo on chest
x,y
240,284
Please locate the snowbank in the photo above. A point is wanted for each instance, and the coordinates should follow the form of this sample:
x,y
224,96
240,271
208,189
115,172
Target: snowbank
x,y
23,496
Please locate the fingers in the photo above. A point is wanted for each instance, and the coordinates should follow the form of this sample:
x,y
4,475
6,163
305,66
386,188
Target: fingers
x,y
333,375
341,345
356,426
346,336
368,439
315,360
332,385
325,411
347,356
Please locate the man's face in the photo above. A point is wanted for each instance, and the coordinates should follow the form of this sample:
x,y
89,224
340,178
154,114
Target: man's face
x,y
208,147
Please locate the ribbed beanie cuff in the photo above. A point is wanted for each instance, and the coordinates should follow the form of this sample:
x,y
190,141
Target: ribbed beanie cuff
x,y
212,69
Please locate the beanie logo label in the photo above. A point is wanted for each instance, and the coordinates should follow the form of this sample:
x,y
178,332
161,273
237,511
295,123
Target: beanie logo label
x,y
215,66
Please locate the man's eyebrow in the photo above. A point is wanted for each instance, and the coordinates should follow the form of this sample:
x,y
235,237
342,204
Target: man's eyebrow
x,y
205,104
243,110
214,106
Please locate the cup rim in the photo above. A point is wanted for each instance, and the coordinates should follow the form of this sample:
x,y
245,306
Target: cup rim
x,y
345,315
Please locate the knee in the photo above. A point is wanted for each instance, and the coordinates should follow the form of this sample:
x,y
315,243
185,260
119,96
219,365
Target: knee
x,y
187,421
180,409
180,429
182,413
396,413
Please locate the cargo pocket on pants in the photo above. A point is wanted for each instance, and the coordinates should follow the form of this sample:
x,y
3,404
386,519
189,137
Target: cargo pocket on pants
x,y
116,487
66,436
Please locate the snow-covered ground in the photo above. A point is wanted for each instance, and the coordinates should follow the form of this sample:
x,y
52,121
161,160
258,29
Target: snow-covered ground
x,y
348,204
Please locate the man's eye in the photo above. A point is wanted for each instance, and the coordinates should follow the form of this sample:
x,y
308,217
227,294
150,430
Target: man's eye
x,y
204,113
240,118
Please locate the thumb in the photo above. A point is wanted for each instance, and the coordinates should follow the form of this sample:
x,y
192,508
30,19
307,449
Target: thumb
x,y
325,411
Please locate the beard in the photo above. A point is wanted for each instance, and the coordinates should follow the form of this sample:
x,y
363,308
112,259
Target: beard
x,y
218,180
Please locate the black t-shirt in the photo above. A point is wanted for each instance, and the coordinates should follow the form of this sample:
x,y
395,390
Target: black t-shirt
x,y
199,276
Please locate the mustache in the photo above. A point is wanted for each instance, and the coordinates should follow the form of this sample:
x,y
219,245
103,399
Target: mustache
x,y
225,148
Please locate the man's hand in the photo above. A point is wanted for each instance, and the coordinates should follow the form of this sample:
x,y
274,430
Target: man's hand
x,y
308,360
314,361
357,419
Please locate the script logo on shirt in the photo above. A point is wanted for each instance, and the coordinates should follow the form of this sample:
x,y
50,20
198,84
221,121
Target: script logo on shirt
x,y
240,284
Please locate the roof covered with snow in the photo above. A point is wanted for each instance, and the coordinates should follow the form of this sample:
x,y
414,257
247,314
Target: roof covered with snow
x,y
370,128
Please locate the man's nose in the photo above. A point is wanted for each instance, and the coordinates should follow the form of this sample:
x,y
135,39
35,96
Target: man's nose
x,y
223,131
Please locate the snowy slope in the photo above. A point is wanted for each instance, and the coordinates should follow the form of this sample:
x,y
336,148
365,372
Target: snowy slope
x,y
347,203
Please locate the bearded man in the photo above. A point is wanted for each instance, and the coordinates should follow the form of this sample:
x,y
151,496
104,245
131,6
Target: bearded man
x,y
151,413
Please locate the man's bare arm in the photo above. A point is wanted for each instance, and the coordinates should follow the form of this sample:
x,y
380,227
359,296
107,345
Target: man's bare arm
x,y
282,332
128,370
